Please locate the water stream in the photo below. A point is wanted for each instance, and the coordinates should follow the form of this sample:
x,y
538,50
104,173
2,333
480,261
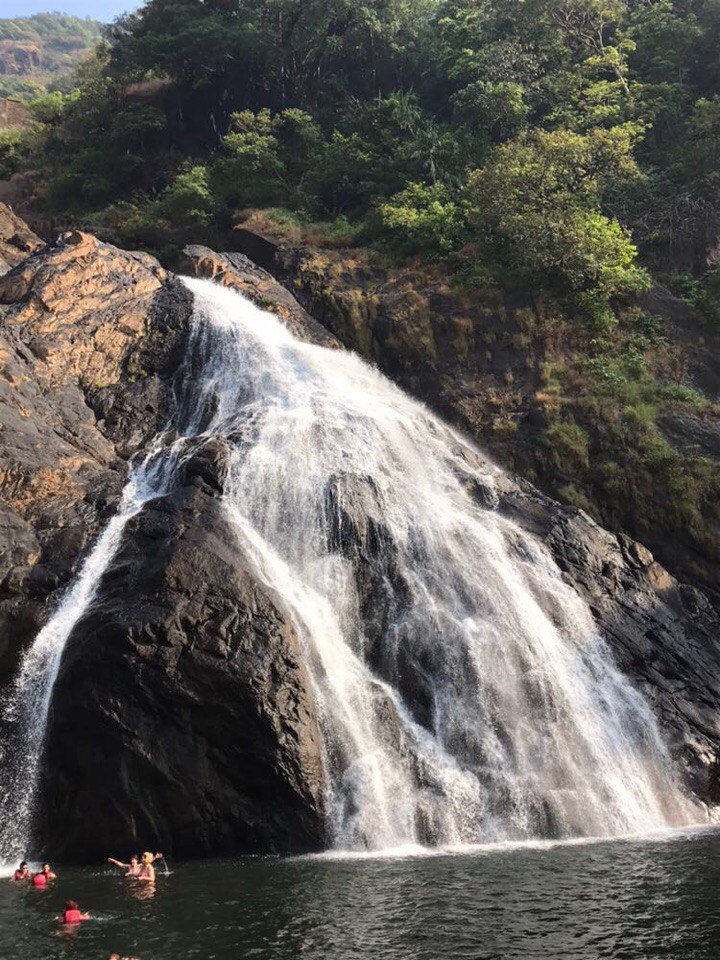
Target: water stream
x,y
463,692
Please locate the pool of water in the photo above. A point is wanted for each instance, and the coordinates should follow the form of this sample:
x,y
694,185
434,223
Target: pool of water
x,y
635,898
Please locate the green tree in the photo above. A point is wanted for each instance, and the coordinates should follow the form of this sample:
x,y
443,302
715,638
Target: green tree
x,y
188,201
537,206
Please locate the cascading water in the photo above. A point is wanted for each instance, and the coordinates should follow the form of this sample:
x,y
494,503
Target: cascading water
x,y
26,711
463,692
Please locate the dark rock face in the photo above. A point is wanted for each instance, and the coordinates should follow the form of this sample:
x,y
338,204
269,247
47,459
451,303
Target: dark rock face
x,y
89,338
181,716
663,634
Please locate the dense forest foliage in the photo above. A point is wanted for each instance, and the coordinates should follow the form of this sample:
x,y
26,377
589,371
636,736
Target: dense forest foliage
x,y
566,147
553,136
36,51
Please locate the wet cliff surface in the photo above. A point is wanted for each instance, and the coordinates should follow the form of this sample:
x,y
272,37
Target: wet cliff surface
x,y
183,714
185,700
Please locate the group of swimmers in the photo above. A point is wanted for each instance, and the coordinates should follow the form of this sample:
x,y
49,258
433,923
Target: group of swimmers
x,y
141,869
39,879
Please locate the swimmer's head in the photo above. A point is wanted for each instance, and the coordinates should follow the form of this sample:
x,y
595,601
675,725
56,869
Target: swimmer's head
x,y
23,865
70,905
46,868
147,857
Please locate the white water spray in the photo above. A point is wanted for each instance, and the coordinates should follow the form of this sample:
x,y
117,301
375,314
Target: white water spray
x,y
27,708
463,692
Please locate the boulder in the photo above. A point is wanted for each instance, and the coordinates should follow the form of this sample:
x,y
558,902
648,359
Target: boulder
x,y
184,696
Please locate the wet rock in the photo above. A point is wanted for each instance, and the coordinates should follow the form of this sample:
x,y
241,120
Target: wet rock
x,y
663,634
235,270
359,533
185,699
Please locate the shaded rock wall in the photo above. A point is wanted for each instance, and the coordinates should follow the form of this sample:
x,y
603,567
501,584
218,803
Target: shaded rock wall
x,y
185,700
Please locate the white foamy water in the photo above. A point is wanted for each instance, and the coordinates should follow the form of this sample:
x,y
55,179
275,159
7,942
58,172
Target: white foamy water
x,y
463,693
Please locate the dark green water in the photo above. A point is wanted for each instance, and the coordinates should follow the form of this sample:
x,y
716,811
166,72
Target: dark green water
x,y
623,899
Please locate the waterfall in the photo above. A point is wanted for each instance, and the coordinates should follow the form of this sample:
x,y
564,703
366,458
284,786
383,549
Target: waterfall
x,y
26,711
463,692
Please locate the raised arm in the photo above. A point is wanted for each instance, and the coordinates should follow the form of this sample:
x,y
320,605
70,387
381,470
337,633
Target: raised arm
x,y
118,863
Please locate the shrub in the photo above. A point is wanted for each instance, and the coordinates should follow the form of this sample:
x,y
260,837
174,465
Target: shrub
x,y
424,217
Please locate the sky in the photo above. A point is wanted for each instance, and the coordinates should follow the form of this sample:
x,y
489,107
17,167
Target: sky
x,y
105,10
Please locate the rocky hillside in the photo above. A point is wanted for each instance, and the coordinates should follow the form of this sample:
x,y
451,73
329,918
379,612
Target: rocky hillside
x,y
183,690
35,49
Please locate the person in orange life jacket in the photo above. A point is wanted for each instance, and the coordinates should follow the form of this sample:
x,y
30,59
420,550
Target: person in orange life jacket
x,y
71,915
22,873
42,878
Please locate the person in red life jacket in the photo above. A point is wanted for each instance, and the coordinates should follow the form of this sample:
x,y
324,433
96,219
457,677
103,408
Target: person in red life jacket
x,y
72,915
22,873
131,869
42,878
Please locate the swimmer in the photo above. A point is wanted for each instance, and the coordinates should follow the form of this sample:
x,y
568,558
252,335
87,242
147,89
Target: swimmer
x,y
71,915
22,873
42,878
131,869
147,870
